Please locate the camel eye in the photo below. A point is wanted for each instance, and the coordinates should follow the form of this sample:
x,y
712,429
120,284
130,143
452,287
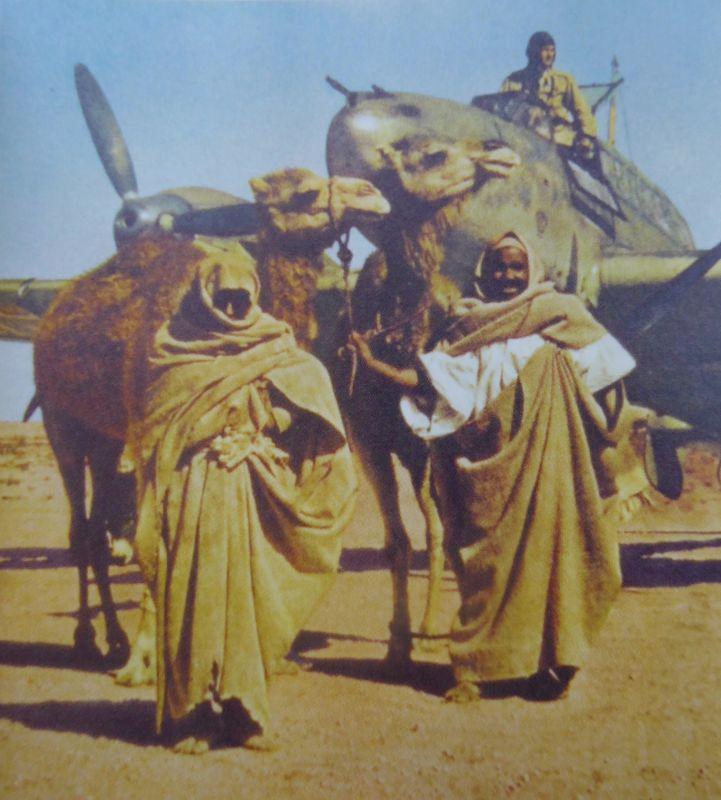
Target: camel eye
x,y
431,160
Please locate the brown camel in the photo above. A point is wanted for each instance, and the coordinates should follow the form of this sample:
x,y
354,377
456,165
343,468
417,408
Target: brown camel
x,y
90,346
399,304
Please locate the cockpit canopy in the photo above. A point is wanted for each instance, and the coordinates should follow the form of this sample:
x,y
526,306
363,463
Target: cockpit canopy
x,y
519,109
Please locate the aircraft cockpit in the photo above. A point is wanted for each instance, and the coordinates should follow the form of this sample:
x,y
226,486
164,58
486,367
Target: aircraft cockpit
x,y
591,192
518,108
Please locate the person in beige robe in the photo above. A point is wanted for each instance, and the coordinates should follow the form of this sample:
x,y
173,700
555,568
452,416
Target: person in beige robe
x,y
521,403
245,483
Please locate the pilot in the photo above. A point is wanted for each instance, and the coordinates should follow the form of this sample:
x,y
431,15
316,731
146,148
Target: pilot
x,y
573,122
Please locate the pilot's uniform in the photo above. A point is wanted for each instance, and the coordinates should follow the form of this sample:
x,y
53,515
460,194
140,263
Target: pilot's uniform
x,y
559,93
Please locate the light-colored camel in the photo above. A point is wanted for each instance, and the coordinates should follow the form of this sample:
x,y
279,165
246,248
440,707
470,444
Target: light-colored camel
x,y
90,348
399,304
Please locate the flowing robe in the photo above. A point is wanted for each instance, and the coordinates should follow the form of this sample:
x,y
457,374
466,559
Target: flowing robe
x,y
245,485
520,476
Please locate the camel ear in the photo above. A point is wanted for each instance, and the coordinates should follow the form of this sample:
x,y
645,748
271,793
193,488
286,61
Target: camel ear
x,y
260,188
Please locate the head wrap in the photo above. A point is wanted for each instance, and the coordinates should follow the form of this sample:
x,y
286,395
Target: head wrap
x,y
559,318
508,239
227,266
537,42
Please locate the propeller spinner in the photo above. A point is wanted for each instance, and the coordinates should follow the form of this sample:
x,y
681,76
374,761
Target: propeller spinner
x,y
191,210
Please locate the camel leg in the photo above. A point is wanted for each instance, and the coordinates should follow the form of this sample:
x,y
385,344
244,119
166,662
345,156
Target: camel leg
x,y
430,629
69,446
86,650
141,666
379,468
107,490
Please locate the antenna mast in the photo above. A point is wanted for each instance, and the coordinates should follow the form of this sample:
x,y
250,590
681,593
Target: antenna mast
x,y
615,75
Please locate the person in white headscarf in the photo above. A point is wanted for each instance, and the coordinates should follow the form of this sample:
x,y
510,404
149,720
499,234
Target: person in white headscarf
x,y
522,402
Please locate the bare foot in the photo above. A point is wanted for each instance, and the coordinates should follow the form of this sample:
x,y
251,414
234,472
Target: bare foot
x,y
139,671
463,692
193,745
197,732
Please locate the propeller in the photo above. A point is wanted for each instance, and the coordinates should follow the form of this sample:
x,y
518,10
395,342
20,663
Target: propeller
x,y
189,211
240,219
667,297
105,132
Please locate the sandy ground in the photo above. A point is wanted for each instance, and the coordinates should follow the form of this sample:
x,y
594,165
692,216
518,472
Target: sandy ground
x,y
641,720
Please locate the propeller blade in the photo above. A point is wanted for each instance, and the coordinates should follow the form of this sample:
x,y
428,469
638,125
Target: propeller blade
x,y
666,298
236,220
105,131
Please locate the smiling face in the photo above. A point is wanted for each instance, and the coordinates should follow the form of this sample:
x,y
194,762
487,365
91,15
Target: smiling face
x,y
505,274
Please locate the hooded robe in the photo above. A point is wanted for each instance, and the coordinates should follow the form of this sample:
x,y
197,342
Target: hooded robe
x,y
518,443
245,484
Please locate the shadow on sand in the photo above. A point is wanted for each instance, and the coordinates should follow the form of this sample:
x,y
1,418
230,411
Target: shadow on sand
x,y
643,568
369,559
35,558
320,640
429,678
45,654
96,610
129,721
433,679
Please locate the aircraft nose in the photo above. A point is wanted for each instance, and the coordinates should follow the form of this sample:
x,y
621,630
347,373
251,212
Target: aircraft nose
x,y
359,132
132,219
356,134
142,214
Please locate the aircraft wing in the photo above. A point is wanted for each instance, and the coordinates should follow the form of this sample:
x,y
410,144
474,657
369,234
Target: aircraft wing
x,y
643,288
22,303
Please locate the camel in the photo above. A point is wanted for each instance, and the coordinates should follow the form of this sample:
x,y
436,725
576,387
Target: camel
x,y
90,346
399,304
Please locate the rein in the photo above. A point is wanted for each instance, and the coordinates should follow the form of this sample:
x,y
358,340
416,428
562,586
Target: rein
x,y
345,257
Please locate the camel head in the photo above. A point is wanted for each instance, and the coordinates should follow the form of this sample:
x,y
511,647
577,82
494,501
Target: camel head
x,y
302,207
434,172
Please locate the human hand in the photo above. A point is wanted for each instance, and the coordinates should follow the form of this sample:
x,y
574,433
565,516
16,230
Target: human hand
x,y
361,346
586,147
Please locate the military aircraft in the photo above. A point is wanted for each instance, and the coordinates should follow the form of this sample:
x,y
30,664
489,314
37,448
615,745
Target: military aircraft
x,y
602,230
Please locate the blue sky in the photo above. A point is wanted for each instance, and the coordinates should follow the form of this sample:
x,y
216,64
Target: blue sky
x,y
214,93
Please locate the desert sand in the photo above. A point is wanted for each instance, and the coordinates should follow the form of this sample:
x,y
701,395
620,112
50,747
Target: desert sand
x,y
640,721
